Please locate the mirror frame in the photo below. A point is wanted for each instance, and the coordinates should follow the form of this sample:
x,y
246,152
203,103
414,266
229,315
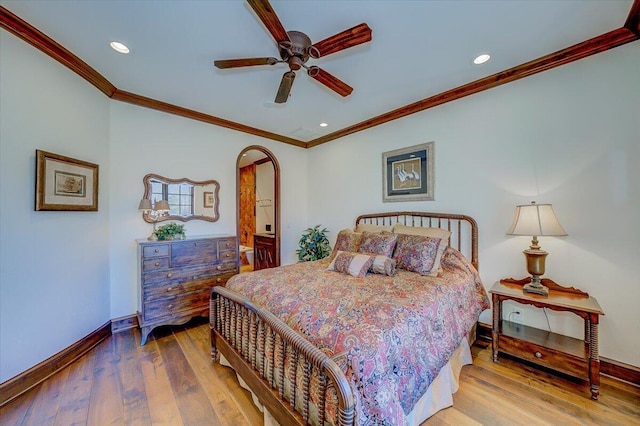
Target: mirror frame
x,y
276,193
216,195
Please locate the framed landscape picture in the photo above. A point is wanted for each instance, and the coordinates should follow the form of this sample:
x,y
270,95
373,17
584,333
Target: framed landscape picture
x,y
408,175
64,183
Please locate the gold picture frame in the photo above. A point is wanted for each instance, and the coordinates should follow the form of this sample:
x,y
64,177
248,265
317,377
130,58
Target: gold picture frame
x,y
64,183
408,174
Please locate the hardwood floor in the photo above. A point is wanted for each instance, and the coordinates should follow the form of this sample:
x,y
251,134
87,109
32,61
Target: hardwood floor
x,y
172,381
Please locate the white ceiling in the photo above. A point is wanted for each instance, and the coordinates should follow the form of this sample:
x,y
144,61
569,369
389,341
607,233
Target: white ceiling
x,y
419,49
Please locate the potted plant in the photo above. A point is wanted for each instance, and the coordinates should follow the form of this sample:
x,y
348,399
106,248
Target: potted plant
x,y
170,231
313,244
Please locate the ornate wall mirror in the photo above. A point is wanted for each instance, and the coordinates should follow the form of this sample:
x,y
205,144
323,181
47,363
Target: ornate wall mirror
x,y
188,199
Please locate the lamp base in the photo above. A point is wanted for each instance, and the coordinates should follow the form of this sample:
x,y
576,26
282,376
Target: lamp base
x,y
535,287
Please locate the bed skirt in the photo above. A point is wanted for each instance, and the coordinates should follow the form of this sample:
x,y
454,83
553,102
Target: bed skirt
x,y
439,394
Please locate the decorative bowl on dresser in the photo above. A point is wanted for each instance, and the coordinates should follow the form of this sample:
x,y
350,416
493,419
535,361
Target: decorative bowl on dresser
x,y
176,277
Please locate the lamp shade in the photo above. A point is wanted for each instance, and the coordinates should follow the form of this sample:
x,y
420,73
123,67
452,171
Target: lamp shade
x,y
536,220
162,206
145,204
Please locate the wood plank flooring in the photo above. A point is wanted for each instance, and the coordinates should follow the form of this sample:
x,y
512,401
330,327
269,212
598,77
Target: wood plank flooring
x,y
172,381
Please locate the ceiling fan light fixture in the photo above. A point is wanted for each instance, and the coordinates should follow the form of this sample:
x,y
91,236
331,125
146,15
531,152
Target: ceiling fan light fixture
x,y
481,59
119,47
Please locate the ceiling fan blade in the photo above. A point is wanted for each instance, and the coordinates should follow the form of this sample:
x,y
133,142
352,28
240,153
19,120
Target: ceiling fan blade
x,y
244,62
344,40
333,83
268,16
285,87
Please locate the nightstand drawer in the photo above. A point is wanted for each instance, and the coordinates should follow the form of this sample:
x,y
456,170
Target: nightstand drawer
x,y
541,355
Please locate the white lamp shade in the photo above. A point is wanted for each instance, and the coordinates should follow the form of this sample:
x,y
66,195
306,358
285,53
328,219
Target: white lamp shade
x,y
145,204
536,220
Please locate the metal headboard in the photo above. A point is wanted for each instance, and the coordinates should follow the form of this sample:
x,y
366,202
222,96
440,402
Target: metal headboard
x,y
463,228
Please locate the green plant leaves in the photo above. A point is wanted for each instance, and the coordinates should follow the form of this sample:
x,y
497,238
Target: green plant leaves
x,y
313,244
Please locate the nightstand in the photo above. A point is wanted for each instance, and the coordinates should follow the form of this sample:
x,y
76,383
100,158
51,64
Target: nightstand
x,y
577,358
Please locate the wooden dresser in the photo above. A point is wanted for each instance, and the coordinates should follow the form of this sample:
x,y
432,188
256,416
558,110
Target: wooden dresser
x,y
176,277
264,251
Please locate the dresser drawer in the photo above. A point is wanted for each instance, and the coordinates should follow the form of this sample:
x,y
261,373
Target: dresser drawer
x,y
156,264
175,306
154,292
177,276
187,253
155,250
227,244
566,363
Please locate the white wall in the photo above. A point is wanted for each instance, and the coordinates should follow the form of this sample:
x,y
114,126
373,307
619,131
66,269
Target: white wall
x,y
147,141
569,136
54,266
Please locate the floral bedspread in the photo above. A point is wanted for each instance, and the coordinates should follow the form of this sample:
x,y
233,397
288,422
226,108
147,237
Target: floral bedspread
x,y
395,333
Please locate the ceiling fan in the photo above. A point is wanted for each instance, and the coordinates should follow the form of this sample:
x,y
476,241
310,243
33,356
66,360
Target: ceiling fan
x,y
295,49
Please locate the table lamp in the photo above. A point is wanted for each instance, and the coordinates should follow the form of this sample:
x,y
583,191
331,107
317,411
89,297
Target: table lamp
x,y
154,211
535,220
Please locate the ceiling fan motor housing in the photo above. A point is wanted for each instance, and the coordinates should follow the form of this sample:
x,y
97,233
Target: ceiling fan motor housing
x,y
295,51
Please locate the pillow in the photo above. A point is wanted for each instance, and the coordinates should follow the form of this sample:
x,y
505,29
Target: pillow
x,y
362,227
383,265
381,243
354,264
417,253
347,240
427,232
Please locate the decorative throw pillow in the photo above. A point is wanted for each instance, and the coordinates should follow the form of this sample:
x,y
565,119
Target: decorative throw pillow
x,y
417,253
354,264
362,227
443,234
347,240
383,265
379,243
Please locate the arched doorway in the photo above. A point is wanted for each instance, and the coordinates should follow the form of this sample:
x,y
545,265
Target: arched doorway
x,y
258,208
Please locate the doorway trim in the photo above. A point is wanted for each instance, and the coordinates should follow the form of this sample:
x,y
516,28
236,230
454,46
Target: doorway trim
x,y
276,193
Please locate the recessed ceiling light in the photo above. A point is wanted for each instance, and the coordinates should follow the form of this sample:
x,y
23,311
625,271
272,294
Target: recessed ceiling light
x,y
119,47
481,59
323,124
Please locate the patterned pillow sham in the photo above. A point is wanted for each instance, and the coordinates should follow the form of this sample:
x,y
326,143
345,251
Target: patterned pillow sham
x,y
347,240
417,253
354,264
378,243
383,265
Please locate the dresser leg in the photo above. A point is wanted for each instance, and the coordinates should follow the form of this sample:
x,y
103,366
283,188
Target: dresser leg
x,y
144,331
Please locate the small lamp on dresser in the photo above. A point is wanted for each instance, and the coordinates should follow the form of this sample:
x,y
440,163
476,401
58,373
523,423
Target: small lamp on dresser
x,y
535,220
154,211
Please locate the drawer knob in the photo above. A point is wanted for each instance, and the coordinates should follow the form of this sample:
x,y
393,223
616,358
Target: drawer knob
x,y
229,254
157,251
169,288
538,355
228,244
219,267
169,306
219,280
169,275
157,263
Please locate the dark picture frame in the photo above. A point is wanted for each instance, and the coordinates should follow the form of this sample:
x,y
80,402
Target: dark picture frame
x,y
64,183
408,173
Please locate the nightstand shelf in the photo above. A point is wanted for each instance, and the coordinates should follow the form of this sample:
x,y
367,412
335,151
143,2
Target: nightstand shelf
x,y
575,357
